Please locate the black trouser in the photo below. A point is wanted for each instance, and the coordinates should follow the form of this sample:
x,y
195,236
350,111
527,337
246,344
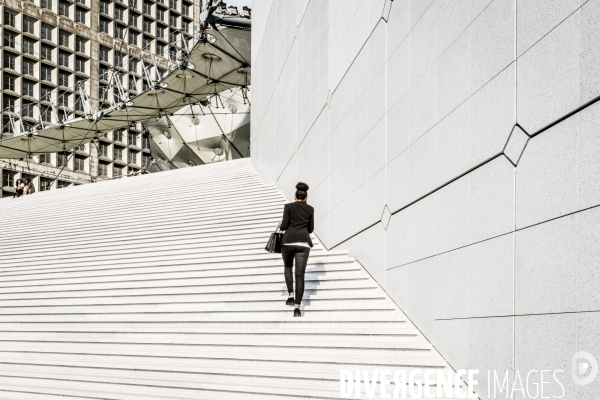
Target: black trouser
x,y
300,254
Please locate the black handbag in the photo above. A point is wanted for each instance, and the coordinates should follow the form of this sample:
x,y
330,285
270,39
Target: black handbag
x,y
274,243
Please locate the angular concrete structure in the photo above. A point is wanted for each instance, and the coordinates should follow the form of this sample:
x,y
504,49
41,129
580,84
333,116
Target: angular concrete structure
x,y
410,105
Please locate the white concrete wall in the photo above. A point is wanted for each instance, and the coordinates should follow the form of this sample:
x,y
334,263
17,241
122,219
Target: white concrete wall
x,y
408,106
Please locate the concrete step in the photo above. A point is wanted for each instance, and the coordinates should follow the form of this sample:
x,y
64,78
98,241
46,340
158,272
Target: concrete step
x,y
316,267
226,297
233,368
72,388
300,326
284,385
199,237
224,212
111,202
133,290
291,353
177,287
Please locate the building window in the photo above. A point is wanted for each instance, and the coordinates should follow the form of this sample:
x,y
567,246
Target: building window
x,y
46,114
104,53
117,136
172,19
28,46
10,60
173,4
45,93
147,7
63,8
80,1
160,31
147,25
79,64
79,164
103,149
47,31
28,67
133,19
80,44
145,160
132,138
119,58
117,171
185,25
63,78
104,5
119,13
9,82
63,59
10,18
185,8
133,37
79,104
146,42
45,183
132,83
63,38
45,158
9,178
80,15
102,169
173,37
29,25
62,98
118,153
103,72
10,39
47,73
104,25
160,14
132,157
47,4
160,49
46,53
28,88
119,31
145,142
62,159
27,107
9,102
133,64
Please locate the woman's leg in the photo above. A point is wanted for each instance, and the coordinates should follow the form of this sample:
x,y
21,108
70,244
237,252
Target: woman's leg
x,y
301,257
288,261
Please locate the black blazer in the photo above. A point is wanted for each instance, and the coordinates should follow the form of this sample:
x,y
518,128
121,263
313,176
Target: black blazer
x,y
298,222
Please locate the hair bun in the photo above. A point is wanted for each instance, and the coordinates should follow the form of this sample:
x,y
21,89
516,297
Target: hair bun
x,y
302,186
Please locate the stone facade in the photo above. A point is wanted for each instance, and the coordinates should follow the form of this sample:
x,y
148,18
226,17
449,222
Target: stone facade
x,y
51,45
452,147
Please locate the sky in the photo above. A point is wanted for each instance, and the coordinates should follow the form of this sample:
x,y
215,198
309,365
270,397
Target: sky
x,y
239,3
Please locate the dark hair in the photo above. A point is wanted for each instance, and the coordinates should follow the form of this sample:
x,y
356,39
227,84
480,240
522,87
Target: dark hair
x,y
301,189
27,180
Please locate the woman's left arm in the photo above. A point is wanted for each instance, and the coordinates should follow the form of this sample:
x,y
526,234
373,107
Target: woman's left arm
x,y
286,218
311,224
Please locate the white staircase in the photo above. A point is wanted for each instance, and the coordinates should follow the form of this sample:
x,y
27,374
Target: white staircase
x,y
158,287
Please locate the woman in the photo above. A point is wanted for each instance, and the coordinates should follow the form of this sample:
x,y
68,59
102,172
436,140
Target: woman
x,y
19,188
298,223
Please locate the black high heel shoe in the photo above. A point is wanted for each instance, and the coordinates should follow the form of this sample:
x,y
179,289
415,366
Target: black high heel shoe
x,y
297,312
289,301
